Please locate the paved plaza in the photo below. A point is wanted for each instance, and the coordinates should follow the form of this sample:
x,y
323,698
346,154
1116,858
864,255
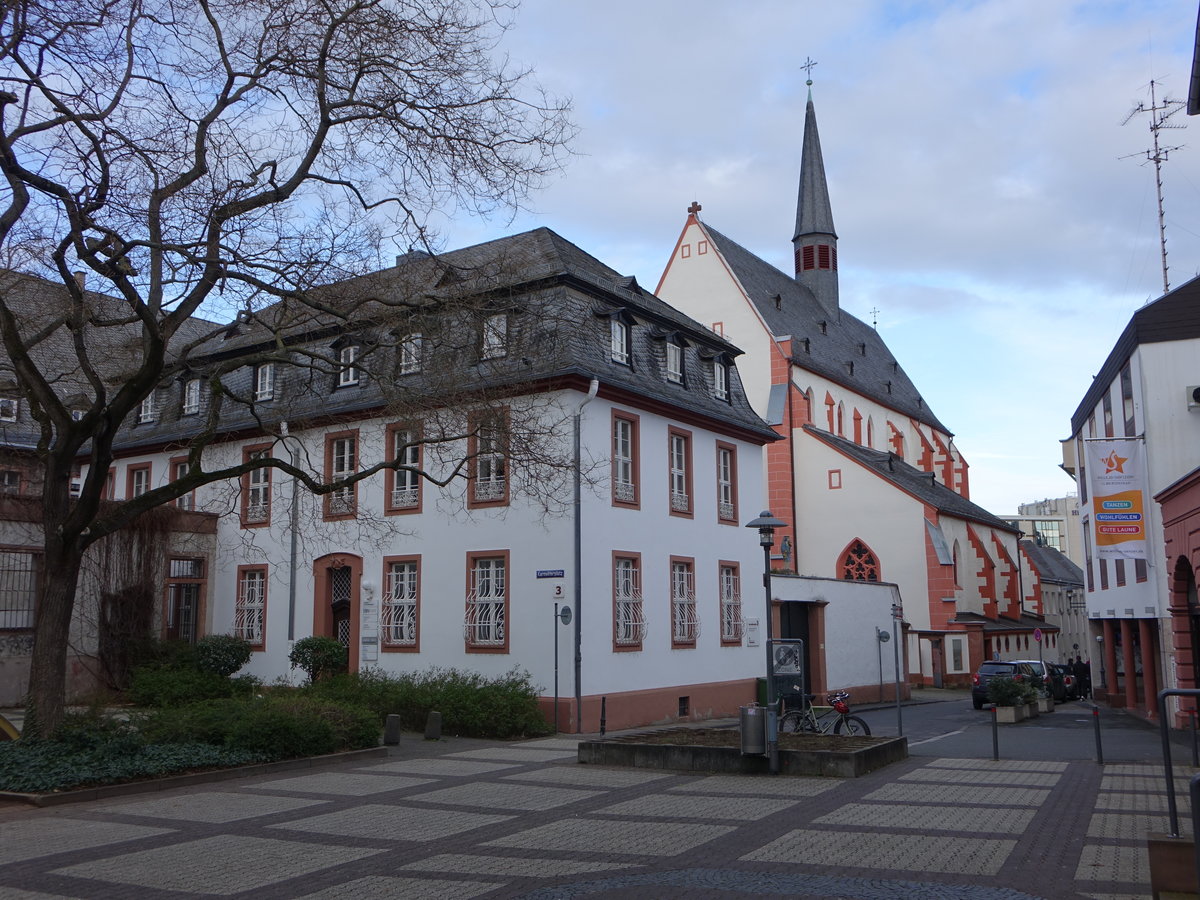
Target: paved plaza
x,y
461,819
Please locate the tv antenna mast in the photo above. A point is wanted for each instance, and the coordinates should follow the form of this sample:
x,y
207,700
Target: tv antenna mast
x,y
1159,113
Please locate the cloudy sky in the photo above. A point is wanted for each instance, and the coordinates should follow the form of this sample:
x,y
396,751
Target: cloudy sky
x,y
974,157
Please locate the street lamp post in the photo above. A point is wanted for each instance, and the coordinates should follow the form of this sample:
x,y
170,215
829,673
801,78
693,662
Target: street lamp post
x,y
766,525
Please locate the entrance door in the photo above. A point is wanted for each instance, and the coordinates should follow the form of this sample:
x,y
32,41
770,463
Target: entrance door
x,y
794,625
935,652
183,602
340,584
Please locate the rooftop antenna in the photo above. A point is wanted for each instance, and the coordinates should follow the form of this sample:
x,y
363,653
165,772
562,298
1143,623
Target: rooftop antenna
x,y
1158,155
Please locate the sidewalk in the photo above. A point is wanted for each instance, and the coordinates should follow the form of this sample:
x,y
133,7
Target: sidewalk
x,y
484,819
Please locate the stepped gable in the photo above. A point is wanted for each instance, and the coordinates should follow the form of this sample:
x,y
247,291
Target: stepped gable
x,y
921,485
1052,565
830,352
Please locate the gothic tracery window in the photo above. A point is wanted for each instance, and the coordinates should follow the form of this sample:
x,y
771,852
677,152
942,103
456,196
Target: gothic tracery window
x,y
859,563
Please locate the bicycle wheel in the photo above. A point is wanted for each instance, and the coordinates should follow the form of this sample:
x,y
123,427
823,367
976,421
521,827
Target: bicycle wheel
x,y
792,721
851,725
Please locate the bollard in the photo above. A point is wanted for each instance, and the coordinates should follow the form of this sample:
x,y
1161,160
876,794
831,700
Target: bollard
x,y
603,714
995,736
1195,749
391,730
1096,722
433,726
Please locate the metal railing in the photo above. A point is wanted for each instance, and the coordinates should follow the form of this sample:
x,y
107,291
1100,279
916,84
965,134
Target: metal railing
x,y
1165,731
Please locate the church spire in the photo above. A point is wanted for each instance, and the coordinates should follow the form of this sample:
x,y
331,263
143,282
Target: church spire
x,y
815,241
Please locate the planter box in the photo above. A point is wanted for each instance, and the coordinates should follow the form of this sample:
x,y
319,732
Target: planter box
x,y
1010,715
1045,704
626,751
1172,865
1031,710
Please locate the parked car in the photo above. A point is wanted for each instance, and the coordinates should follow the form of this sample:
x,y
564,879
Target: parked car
x,y
1016,670
1070,682
1051,678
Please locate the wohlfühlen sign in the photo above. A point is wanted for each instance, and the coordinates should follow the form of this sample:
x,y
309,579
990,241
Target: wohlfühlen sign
x,y
1117,485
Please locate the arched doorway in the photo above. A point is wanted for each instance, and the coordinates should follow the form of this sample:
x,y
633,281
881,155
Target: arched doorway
x,y
337,584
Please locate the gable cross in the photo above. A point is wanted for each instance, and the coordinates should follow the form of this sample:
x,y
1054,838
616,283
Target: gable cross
x,y
694,208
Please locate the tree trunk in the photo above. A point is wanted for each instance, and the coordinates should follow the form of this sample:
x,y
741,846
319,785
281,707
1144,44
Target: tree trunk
x,y
51,636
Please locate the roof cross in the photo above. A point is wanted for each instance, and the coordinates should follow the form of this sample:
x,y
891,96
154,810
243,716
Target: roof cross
x,y
807,66
694,208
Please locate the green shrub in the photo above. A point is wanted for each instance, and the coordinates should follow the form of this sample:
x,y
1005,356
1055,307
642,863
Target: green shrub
x,y
319,657
154,686
222,654
1004,691
277,727
38,766
471,705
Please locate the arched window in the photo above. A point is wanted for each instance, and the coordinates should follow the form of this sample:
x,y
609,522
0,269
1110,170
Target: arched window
x,y
859,563
841,420
957,583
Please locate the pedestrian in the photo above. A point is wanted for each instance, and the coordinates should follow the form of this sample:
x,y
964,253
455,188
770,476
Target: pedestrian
x,y
1083,677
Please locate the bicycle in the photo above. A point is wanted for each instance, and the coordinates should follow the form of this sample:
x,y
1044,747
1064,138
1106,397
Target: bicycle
x,y
834,718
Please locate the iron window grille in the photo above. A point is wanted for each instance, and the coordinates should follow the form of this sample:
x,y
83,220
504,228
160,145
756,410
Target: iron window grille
x,y
731,604
251,606
484,625
685,624
399,618
20,572
629,621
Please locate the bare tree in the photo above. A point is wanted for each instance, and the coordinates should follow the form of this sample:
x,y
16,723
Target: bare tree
x,y
179,153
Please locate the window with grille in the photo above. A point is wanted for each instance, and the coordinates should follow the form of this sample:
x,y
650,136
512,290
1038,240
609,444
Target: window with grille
x,y
624,461
619,341
251,605
495,336
343,462
674,362
859,563
490,465
264,382
720,379
410,354
726,484
9,406
258,490
406,482
399,614
191,397
184,589
348,361
731,604
19,574
685,625
680,474
629,624
487,601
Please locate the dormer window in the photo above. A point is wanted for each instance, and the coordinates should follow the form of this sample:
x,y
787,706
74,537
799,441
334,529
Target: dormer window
x,y
191,397
9,406
619,341
674,363
264,382
348,363
495,337
410,354
720,379
145,413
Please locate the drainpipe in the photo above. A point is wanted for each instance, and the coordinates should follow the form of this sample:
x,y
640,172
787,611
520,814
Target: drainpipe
x,y
294,521
591,394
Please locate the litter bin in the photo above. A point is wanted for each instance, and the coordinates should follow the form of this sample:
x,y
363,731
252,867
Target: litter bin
x,y
754,730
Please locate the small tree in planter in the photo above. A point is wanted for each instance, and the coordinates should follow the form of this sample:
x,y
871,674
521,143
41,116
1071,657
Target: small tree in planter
x,y
1008,696
319,656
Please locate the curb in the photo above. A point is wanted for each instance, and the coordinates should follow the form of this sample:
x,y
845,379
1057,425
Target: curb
x,y
108,791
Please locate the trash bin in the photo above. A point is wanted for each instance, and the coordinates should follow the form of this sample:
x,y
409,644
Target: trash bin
x,y
754,730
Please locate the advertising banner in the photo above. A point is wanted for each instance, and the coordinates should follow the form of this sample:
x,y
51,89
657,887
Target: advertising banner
x,y
1116,473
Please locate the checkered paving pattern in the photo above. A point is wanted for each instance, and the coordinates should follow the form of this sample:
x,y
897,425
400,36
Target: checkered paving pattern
x,y
526,821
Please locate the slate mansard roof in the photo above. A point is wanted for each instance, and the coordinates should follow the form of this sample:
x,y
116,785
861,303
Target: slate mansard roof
x,y
914,481
559,300
822,343
1052,565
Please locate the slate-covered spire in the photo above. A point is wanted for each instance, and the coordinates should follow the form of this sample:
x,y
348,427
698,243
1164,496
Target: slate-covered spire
x,y
815,241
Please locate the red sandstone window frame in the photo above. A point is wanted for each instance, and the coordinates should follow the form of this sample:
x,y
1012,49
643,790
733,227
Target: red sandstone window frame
x,y
257,483
727,483
680,494
626,491
409,482
629,620
249,617
343,503
474,625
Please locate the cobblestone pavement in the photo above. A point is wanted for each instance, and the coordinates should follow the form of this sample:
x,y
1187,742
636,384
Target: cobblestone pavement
x,y
524,820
